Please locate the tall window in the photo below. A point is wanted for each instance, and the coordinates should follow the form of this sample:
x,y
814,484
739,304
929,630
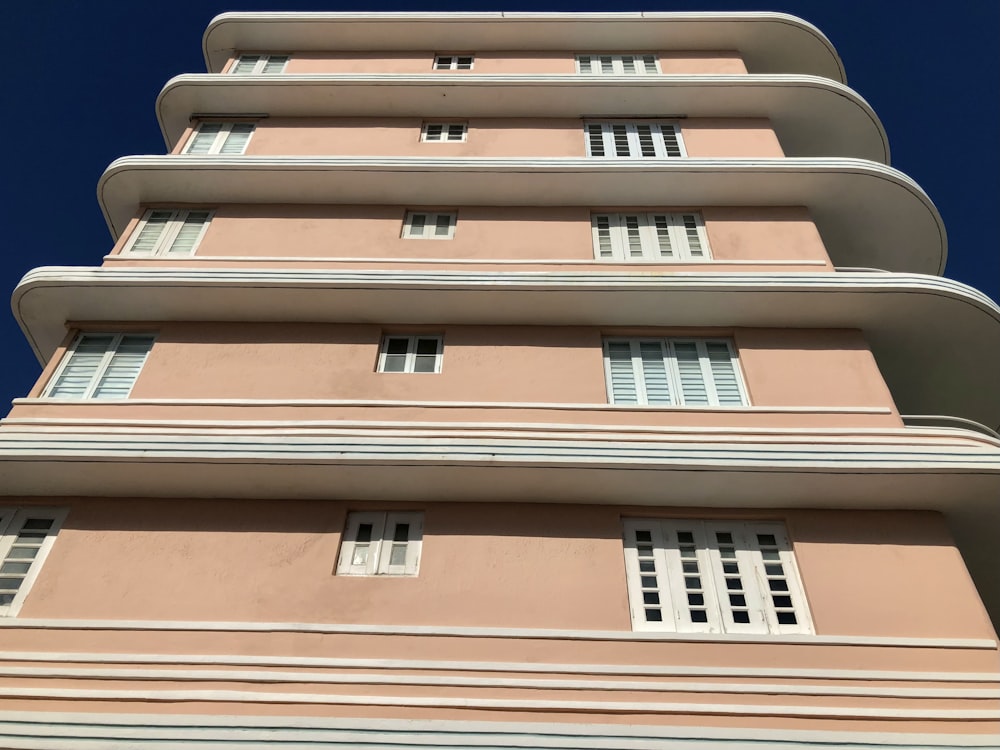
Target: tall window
x,y
411,354
259,65
649,236
443,132
26,535
693,576
634,140
673,372
453,62
220,138
383,544
168,232
101,365
617,65
418,225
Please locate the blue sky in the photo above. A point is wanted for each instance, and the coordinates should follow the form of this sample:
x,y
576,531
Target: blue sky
x,y
88,73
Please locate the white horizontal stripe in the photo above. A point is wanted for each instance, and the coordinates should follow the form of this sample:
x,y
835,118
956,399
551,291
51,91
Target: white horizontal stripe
x,y
476,632
647,670
258,676
462,405
465,261
735,709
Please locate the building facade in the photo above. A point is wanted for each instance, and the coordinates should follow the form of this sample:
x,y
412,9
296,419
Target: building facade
x,y
491,380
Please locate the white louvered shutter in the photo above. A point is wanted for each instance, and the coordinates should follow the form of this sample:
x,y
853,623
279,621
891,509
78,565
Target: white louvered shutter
x,y
692,380
275,64
246,64
84,362
724,377
191,228
621,373
123,369
239,136
204,138
655,378
153,227
26,536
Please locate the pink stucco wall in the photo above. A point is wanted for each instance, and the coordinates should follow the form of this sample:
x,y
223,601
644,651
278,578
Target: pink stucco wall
x,y
498,63
510,565
506,137
486,233
519,364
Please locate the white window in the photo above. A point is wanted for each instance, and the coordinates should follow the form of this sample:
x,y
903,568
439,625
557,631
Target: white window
x,y
101,365
443,132
453,62
26,536
673,372
690,576
168,232
410,354
652,237
617,65
259,65
220,138
634,140
381,544
429,226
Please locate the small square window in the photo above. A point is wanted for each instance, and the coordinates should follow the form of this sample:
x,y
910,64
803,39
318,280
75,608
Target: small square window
x,y
411,354
453,62
443,132
429,226
381,544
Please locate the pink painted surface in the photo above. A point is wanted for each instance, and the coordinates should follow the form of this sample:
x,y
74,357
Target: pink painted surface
x,y
482,565
499,63
524,233
528,364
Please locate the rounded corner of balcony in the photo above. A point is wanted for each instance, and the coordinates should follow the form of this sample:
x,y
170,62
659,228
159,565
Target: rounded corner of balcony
x,y
31,312
828,50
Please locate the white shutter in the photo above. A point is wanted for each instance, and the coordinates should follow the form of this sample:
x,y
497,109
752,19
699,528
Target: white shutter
x,y
637,140
691,585
246,64
400,553
153,226
621,373
239,136
124,366
204,138
647,576
191,229
694,391
274,64
628,65
26,536
82,364
361,545
723,369
600,227
595,140
783,598
732,567
655,380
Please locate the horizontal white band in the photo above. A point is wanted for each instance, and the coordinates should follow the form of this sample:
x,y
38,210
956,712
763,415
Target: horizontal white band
x,y
476,632
355,678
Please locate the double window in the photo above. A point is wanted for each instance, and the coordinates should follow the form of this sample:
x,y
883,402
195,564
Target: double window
x,y
617,65
220,138
168,232
259,65
420,225
634,140
410,354
385,544
453,62
649,236
443,132
100,365
693,576
26,535
673,372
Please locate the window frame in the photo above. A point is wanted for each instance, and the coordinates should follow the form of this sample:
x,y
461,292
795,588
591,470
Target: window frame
x,y
106,360
672,371
678,232
445,130
453,62
412,341
263,60
610,130
617,64
172,228
225,131
431,220
673,582
12,519
379,559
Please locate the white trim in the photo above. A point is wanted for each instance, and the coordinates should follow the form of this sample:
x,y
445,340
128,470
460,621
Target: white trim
x,y
379,548
454,61
641,707
479,632
534,667
479,261
475,404
427,226
43,729
555,684
411,355
444,131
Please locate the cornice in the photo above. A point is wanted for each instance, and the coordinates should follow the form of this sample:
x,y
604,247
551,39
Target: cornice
x,y
768,42
812,116
868,214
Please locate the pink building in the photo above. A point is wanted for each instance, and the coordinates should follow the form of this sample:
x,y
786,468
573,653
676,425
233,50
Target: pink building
x,y
490,380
